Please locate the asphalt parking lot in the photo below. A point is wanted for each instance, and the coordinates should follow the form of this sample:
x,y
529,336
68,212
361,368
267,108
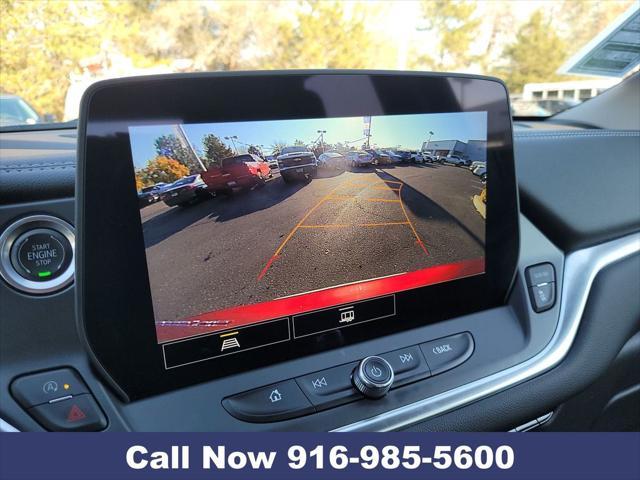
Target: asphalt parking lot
x,y
283,239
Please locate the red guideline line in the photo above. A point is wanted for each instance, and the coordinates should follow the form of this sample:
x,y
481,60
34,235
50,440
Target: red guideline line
x,y
266,267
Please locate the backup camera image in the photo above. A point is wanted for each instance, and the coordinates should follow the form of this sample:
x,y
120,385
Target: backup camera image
x,y
246,223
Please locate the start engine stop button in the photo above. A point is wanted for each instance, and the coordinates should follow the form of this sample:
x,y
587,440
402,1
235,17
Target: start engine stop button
x,y
37,254
41,254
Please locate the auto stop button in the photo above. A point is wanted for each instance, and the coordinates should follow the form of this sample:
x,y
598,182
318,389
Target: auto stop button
x,y
448,352
41,254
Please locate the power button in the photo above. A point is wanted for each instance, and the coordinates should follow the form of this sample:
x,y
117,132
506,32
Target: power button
x,y
373,377
36,254
41,254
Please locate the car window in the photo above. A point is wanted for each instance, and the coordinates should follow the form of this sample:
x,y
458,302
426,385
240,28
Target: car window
x,y
15,109
523,43
185,181
227,162
295,149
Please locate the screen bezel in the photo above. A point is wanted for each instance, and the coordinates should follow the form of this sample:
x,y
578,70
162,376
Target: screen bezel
x,y
113,298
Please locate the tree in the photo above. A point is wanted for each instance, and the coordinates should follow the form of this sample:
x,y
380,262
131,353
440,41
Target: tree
x,y
170,146
213,35
323,37
161,169
253,150
277,146
454,28
214,149
594,17
299,143
535,55
44,42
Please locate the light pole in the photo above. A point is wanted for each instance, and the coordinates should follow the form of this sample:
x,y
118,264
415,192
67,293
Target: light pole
x,y
232,138
184,140
322,132
429,139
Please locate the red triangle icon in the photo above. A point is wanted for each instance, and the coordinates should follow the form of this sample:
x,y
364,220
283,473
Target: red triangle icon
x,y
75,414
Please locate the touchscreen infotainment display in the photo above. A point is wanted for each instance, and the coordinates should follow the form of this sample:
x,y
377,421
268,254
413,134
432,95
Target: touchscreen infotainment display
x,y
250,224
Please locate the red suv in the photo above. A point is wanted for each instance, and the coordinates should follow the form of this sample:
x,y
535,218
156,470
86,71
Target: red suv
x,y
235,173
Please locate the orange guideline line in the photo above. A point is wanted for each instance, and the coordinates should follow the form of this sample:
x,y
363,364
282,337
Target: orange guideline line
x,y
354,197
385,187
343,225
411,224
341,197
292,232
381,199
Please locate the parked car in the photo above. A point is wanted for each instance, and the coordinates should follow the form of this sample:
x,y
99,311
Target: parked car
x,y
272,161
331,160
379,157
480,170
404,155
14,110
416,157
475,164
456,160
149,195
359,158
297,162
186,191
236,173
429,158
393,156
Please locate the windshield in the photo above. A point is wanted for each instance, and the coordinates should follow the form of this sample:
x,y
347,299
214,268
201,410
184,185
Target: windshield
x,y
184,181
286,150
71,44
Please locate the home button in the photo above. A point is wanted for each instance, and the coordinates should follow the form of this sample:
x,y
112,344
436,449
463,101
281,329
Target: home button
x,y
279,401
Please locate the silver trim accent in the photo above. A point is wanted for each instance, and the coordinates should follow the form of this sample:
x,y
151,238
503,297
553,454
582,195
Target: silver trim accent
x,y
6,427
15,230
581,268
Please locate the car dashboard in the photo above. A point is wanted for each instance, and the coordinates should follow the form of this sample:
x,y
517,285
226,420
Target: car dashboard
x,y
558,354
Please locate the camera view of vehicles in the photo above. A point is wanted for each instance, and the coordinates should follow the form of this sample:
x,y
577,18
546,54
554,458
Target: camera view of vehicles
x,y
249,221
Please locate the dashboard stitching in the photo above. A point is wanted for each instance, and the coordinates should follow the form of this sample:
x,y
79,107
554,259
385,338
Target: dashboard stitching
x,y
29,168
576,134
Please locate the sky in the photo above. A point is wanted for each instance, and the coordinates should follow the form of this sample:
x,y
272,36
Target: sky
x,y
408,131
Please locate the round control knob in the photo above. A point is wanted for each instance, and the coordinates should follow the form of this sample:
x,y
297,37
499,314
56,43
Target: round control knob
x,y
373,377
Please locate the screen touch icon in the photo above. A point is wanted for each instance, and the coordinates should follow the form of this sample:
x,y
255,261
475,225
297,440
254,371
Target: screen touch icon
x,y
229,343
347,315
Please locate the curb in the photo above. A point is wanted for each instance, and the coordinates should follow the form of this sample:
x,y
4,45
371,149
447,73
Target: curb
x,y
480,206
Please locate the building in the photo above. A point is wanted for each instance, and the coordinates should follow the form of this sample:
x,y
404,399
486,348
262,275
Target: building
x,y
445,148
476,151
573,90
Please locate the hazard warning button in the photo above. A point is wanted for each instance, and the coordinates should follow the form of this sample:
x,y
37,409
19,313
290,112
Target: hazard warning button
x,y
79,413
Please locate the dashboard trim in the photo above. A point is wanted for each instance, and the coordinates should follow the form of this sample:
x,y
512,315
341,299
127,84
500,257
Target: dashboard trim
x,y
6,427
581,268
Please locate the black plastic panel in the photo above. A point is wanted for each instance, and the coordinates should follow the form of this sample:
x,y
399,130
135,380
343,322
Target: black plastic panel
x,y
611,317
580,187
39,333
